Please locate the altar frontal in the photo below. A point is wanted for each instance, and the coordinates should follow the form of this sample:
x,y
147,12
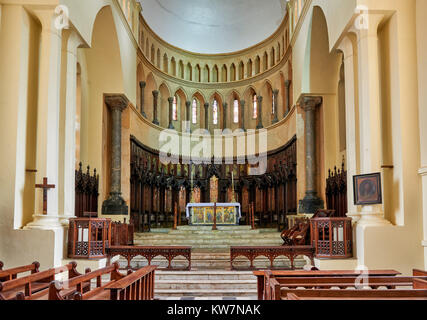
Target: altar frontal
x,y
202,214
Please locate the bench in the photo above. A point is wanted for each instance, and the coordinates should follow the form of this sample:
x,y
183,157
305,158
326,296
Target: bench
x,y
57,288
138,285
34,285
420,283
150,252
419,273
263,276
271,253
324,294
10,274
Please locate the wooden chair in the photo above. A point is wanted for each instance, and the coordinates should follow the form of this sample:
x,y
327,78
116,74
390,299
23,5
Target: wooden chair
x,y
56,288
299,237
10,274
33,286
285,235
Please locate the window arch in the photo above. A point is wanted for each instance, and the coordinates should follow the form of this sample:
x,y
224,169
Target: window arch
x,y
236,111
255,107
215,112
175,109
194,112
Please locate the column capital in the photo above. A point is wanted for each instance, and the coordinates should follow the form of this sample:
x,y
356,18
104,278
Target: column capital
x,y
187,103
142,84
276,92
259,99
206,105
170,100
224,105
287,83
309,103
155,93
116,101
242,103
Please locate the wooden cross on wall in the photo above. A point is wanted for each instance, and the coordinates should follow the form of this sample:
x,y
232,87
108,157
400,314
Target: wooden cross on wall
x,y
45,188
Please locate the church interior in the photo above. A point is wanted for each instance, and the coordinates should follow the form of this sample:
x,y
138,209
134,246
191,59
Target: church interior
x,y
213,150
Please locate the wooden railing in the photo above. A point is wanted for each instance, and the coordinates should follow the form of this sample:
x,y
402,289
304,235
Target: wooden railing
x,y
86,189
332,237
138,285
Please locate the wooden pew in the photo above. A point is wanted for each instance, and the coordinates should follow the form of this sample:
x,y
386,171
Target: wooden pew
x,y
420,284
26,287
56,288
419,273
138,285
264,276
10,274
324,294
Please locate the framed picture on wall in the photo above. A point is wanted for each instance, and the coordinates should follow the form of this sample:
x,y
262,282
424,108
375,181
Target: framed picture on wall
x,y
367,189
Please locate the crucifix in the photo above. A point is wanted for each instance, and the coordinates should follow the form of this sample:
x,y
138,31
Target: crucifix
x,y
45,188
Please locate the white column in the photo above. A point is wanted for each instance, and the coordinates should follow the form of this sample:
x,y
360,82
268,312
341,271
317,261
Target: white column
x,y
70,128
370,112
48,121
351,122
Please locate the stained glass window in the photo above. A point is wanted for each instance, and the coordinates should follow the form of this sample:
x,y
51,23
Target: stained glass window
x,y
215,112
236,111
174,109
255,106
194,111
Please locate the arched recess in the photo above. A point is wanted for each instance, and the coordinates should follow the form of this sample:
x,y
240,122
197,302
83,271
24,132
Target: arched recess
x,y
216,96
224,73
272,58
321,70
234,95
181,69
159,61
233,72
249,68
282,96
147,48
257,65
265,62
163,105
105,75
206,74
173,67
200,112
250,122
181,99
189,72
152,56
215,74
197,74
278,53
241,70
148,97
267,103
165,63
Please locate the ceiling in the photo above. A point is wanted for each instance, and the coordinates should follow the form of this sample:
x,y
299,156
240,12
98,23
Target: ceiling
x,y
213,26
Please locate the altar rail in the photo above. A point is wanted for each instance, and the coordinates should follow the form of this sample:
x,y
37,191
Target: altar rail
x,y
271,253
150,252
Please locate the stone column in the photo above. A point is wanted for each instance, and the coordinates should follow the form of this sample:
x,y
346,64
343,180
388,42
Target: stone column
x,y
142,85
242,113
370,112
311,201
275,104
170,100
188,115
259,113
70,128
207,115
48,121
155,100
224,111
115,204
288,97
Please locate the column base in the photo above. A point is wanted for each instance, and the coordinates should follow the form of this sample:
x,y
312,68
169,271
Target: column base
x,y
310,204
115,205
143,114
156,122
372,220
275,120
171,127
259,126
44,222
65,221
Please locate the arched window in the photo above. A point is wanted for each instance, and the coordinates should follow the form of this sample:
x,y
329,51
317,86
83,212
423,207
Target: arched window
x,y
194,112
255,107
273,104
236,111
174,109
215,111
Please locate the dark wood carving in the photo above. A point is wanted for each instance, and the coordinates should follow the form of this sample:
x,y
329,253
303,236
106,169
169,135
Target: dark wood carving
x,y
336,191
122,234
86,189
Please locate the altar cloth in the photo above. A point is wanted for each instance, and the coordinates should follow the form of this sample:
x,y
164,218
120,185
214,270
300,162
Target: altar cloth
x,y
201,214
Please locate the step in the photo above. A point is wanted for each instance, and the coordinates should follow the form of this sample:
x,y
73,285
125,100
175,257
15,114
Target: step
x,y
161,293
204,275
218,284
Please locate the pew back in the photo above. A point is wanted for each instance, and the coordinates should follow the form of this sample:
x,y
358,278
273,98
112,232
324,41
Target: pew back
x,y
326,294
11,274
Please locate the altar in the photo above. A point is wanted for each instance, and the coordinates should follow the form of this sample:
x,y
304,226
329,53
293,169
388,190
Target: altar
x,y
202,214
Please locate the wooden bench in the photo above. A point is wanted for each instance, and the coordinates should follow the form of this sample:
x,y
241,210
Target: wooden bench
x,y
323,294
420,284
271,253
10,274
419,273
264,276
34,285
150,252
138,285
57,288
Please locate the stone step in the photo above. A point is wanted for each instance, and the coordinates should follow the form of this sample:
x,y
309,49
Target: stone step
x,y
235,242
204,275
218,284
164,293
209,235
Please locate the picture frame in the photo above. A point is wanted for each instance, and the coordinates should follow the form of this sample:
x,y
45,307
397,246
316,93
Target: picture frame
x,y
367,189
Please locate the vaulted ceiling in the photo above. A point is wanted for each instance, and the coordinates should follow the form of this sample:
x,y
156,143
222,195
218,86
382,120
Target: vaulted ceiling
x,y
213,26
